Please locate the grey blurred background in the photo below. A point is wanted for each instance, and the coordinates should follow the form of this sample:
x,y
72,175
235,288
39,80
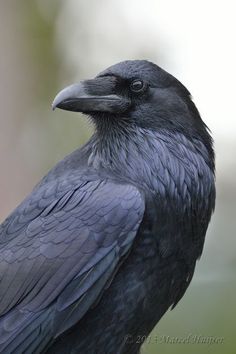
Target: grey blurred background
x,y
46,45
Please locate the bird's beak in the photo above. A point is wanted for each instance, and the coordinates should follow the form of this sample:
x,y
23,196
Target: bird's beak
x,y
90,96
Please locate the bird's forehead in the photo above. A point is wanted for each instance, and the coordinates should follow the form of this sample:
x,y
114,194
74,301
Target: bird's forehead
x,y
141,69
133,68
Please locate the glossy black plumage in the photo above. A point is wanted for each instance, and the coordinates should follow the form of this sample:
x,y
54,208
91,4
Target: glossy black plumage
x,y
108,240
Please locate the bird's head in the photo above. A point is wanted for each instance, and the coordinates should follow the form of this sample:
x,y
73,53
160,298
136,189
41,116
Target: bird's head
x,y
135,93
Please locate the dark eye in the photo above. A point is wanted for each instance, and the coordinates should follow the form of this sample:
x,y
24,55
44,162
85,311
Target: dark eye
x,y
137,85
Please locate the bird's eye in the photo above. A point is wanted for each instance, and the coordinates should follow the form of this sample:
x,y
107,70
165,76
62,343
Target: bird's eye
x,y
137,85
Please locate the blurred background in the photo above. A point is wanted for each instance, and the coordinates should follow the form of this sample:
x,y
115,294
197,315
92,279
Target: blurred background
x,y
46,45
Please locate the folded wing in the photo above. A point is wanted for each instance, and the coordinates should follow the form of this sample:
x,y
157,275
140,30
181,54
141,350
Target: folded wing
x,y
58,250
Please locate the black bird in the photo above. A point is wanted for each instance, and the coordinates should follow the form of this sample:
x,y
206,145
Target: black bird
x,y
107,242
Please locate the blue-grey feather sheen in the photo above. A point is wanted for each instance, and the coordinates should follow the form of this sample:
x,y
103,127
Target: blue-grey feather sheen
x,y
166,163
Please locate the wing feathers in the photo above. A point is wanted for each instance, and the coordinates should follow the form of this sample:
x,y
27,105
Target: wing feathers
x,y
58,251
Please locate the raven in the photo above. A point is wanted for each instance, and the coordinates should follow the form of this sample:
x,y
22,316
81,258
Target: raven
x,y
107,242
